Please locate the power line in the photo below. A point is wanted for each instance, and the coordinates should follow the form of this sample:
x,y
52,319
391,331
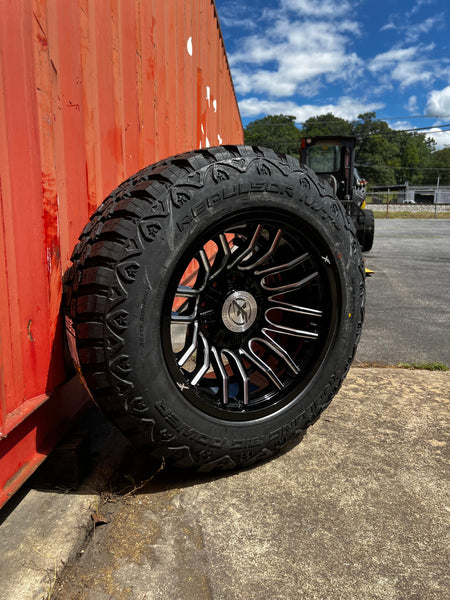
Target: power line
x,y
377,133
411,117
296,143
353,121
425,129
362,165
428,128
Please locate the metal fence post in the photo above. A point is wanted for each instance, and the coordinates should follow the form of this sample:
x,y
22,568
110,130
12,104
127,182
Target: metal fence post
x,y
436,195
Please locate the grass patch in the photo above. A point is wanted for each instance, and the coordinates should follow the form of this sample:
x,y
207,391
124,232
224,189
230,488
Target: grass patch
x,y
405,214
435,366
422,366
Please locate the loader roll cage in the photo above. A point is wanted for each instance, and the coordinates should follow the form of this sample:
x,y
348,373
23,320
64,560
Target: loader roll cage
x,y
332,158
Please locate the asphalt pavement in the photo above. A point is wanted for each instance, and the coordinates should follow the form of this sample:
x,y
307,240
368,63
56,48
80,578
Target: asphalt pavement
x,y
408,297
358,510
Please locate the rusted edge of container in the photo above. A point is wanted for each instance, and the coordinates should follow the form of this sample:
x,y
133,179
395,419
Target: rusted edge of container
x,y
38,433
216,14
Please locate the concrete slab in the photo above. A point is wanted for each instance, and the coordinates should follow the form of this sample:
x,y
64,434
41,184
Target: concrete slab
x,y
42,530
359,509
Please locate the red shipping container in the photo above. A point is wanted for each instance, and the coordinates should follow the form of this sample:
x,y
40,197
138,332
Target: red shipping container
x,y
91,91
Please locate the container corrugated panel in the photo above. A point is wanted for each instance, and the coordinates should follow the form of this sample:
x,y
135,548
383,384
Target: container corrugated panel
x,y
91,91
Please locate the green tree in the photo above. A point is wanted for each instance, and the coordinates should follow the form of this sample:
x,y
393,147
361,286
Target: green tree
x,y
415,157
383,155
326,125
278,132
377,154
440,162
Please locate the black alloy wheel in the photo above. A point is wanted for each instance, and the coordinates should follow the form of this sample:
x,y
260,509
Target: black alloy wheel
x,y
253,308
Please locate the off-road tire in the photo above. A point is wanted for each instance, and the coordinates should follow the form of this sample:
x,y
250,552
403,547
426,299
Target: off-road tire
x,y
368,230
273,311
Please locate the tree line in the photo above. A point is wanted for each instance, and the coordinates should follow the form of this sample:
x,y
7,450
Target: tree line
x,y
384,156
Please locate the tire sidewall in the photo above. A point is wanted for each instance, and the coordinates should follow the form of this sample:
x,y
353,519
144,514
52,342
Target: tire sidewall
x,y
135,357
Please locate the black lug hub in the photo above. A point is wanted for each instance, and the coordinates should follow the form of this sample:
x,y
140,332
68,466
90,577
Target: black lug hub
x,y
213,299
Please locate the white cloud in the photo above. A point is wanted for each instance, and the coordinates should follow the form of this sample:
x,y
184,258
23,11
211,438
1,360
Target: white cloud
x,y
294,55
389,25
401,125
255,107
255,50
412,105
414,32
318,8
233,22
235,13
386,59
406,66
418,5
410,72
439,102
291,54
346,108
410,31
442,138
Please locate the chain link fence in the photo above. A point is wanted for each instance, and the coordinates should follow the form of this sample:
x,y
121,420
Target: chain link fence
x,y
432,201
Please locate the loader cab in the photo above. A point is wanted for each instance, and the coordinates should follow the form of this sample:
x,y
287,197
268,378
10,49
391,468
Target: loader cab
x,y
332,158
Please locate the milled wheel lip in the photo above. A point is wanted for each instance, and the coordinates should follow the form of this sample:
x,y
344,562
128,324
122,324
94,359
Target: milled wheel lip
x,y
197,394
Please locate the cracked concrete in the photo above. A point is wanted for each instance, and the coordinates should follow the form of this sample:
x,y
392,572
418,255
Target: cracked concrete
x,y
359,509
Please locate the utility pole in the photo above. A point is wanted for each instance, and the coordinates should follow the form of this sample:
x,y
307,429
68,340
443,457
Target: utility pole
x,y
436,194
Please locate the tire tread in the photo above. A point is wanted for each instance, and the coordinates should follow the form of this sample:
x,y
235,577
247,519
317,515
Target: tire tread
x,y
102,245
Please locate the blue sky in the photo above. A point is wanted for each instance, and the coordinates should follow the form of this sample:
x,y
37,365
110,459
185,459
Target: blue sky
x,y
310,57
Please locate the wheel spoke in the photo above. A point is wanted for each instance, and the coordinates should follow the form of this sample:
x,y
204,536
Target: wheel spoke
x,y
223,255
234,359
189,317
265,256
189,351
244,255
204,269
256,360
301,310
279,350
289,287
184,291
306,335
285,267
203,368
219,367
279,328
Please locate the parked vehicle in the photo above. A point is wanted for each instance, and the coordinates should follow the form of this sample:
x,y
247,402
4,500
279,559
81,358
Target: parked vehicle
x,y
332,158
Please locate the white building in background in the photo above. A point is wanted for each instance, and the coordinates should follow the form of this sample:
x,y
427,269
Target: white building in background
x,y
410,194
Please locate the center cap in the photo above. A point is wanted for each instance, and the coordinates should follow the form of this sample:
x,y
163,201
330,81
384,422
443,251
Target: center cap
x,y
239,311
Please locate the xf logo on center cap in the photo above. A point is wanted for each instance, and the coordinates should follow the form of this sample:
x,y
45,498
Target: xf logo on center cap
x,y
239,311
